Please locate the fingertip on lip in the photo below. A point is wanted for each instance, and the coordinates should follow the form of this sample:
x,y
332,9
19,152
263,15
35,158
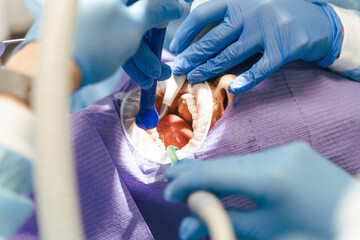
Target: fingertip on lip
x,y
147,85
232,90
174,45
195,78
238,89
166,73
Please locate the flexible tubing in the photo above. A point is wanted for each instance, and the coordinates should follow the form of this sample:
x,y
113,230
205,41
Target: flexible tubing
x,y
56,193
208,207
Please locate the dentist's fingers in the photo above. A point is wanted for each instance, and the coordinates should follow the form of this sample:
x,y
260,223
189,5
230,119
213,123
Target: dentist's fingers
x,y
137,75
144,66
298,236
179,168
153,13
147,61
34,7
149,64
236,175
192,228
165,72
208,46
201,16
239,51
257,224
254,224
256,74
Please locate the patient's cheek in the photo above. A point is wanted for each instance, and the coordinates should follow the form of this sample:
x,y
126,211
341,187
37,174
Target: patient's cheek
x,y
173,130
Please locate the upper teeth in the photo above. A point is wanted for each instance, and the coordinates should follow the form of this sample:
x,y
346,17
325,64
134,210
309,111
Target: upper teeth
x,y
193,109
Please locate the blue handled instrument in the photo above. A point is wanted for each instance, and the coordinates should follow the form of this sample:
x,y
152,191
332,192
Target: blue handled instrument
x,y
148,117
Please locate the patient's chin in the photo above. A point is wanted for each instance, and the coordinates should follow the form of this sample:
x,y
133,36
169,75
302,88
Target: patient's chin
x,y
174,130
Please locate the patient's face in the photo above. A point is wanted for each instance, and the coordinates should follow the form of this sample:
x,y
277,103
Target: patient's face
x,y
178,126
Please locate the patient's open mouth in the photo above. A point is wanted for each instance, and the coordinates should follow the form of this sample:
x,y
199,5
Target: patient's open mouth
x,y
177,128
185,126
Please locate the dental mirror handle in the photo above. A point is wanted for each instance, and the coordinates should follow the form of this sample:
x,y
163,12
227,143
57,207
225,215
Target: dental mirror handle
x,y
148,117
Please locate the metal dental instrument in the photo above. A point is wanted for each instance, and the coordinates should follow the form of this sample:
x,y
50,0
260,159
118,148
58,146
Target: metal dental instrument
x,y
7,42
173,87
147,117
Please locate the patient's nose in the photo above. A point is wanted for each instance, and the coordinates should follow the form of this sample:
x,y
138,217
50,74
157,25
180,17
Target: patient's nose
x,y
222,93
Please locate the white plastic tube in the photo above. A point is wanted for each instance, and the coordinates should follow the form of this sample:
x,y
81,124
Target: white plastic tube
x,y
56,192
208,207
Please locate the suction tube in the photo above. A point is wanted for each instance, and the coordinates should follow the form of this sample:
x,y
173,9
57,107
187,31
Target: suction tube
x,y
55,181
208,207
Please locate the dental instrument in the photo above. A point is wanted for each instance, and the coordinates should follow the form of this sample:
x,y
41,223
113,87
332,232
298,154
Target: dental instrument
x,y
172,89
176,82
148,117
7,42
208,207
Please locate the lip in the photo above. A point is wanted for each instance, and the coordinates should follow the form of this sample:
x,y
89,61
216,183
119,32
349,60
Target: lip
x,y
142,141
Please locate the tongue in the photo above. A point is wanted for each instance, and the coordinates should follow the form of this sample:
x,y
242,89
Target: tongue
x,y
173,130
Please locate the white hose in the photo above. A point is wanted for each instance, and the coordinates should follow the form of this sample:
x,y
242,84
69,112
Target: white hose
x,y
56,192
208,207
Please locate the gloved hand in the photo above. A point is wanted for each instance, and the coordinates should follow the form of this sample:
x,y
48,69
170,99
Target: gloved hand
x,y
34,6
282,30
108,33
144,66
15,184
296,191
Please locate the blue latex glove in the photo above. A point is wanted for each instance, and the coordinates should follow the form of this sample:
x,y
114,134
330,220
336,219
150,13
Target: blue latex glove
x,y
296,191
34,6
15,184
143,67
108,33
117,32
282,30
